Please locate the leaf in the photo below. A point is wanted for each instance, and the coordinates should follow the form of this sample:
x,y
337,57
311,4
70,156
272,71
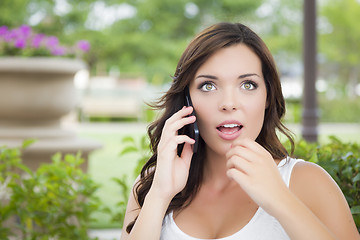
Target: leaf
x,y
355,210
314,158
347,156
25,169
144,142
106,210
334,140
356,178
128,139
28,142
121,204
56,158
128,149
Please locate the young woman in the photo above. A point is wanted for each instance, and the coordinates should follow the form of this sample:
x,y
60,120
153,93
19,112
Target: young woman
x,y
241,182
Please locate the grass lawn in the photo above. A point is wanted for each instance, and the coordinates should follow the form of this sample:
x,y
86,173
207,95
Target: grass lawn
x,y
106,163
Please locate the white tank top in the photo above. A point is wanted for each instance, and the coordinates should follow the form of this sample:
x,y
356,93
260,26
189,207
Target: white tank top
x,y
261,226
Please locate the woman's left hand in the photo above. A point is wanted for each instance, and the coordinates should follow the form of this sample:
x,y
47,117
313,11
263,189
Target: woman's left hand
x,y
255,170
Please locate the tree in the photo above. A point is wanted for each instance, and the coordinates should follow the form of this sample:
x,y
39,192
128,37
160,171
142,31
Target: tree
x,y
13,12
339,41
280,24
148,42
153,40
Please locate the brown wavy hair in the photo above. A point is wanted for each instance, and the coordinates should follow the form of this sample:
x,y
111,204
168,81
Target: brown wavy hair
x,y
205,44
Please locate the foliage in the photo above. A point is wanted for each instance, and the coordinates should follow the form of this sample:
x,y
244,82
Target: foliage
x,y
161,30
149,42
339,110
339,39
340,160
118,215
22,41
280,25
54,202
293,111
141,148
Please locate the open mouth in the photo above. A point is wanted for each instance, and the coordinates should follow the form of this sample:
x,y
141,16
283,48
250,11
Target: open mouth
x,y
229,128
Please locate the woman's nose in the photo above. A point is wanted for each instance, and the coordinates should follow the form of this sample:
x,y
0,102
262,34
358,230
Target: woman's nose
x,y
228,101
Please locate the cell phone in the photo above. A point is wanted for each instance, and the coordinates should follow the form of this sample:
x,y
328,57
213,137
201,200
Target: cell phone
x,y
192,129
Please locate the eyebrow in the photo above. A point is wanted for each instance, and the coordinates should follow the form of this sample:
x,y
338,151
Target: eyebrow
x,y
240,77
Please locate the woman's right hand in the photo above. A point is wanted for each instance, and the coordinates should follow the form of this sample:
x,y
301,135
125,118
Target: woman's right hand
x,y
172,170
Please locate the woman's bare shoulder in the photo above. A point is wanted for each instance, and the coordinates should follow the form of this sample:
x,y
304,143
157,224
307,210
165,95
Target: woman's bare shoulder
x,y
317,189
312,183
305,171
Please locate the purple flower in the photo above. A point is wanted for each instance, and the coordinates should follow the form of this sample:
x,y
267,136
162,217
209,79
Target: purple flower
x,y
20,43
3,30
58,51
37,40
33,44
52,42
25,30
11,35
83,45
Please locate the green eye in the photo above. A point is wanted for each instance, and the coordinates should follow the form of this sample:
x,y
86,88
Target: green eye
x,y
249,85
207,87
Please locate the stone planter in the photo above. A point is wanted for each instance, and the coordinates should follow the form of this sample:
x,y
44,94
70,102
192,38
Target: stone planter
x,y
35,93
37,90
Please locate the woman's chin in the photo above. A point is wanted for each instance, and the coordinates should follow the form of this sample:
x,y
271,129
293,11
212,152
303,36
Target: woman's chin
x,y
219,150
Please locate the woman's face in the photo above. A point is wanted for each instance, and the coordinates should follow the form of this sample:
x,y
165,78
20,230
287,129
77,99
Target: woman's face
x,y
229,97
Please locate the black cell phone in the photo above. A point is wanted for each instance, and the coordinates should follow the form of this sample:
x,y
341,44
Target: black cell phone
x,y
192,129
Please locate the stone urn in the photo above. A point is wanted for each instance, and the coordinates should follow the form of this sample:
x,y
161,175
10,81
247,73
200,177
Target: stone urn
x,y
35,94
37,90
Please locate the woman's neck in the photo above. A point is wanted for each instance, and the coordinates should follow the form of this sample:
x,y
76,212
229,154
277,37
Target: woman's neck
x,y
215,170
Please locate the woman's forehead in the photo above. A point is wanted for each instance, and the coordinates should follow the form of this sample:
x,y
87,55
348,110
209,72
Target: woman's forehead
x,y
236,60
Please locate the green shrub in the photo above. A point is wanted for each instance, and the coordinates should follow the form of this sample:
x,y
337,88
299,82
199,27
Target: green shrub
x,y
54,202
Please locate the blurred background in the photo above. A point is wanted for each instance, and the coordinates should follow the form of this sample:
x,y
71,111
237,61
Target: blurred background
x,y
135,46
